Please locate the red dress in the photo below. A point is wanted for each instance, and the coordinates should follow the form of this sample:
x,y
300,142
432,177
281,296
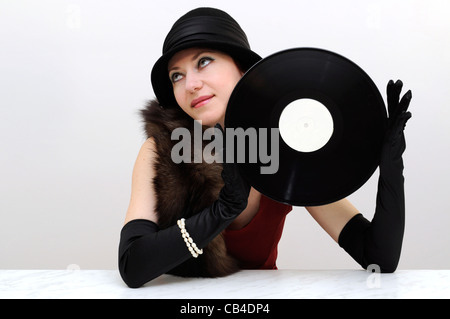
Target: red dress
x,y
256,245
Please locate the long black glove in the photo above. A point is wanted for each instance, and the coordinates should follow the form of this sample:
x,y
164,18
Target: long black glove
x,y
146,252
380,242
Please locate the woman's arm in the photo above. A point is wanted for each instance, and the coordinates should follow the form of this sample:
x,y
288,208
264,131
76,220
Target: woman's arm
x,y
143,199
145,251
333,217
379,241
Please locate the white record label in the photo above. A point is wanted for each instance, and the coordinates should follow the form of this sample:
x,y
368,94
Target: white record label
x,y
306,125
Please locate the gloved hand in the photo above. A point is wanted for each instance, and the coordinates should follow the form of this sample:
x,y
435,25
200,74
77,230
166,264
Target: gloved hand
x,y
394,144
379,242
146,252
234,194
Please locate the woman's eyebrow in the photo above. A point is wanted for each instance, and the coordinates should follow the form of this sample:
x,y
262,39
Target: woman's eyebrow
x,y
195,57
173,69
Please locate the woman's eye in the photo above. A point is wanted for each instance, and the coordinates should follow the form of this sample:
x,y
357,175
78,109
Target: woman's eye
x,y
175,77
204,62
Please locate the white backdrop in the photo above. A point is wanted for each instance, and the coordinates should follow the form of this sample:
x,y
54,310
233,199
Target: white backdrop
x,y
73,75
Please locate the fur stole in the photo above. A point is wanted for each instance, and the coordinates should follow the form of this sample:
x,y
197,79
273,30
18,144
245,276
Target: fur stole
x,y
185,189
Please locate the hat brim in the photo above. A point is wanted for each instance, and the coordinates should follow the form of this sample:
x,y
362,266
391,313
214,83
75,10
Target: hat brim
x,y
162,86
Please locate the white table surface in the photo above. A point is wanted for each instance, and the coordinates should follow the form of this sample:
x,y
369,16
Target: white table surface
x,y
247,284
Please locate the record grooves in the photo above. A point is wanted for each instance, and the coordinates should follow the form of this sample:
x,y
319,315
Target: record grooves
x,y
339,126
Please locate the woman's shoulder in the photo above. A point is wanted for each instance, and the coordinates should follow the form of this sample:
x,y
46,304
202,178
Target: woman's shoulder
x,y
148,148
146,157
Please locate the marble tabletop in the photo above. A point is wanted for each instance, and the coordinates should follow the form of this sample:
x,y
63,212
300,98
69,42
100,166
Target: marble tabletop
x,y
246,284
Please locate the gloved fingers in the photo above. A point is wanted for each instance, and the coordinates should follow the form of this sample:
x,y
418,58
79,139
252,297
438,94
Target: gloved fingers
x,y
404,103
401,108
219,127
230,174
236,188
393,95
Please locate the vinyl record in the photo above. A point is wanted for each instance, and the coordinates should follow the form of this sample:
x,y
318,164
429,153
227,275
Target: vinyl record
x,y
327,117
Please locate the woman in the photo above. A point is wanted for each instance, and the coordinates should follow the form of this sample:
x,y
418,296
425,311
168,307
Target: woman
x,y
199,219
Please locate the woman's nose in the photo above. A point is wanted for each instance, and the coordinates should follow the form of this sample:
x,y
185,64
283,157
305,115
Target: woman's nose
x,y
193,82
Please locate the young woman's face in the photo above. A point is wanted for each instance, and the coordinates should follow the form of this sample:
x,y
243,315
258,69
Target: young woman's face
x,y
203,80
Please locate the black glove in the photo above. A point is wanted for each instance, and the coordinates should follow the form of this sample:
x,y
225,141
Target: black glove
x,y
380,241
146,252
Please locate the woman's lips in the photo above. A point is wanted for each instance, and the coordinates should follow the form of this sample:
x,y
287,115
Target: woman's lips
x,y
202,100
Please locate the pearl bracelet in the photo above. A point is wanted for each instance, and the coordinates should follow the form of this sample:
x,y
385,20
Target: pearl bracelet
x,y
192,247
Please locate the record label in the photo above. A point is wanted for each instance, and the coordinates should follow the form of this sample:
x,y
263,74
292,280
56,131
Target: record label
x,y
306,125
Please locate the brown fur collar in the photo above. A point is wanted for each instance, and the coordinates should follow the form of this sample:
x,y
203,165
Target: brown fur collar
x,y
185,189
